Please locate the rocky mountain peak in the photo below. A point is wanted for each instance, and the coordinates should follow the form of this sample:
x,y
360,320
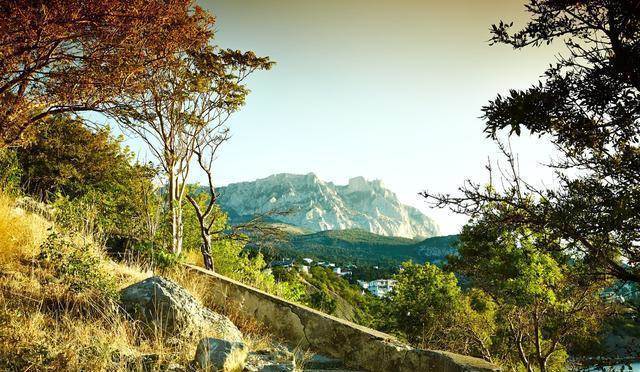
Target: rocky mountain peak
x,y
360,184
316,205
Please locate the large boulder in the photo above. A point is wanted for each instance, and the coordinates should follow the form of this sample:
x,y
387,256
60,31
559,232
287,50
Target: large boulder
x,y
165,307
215,355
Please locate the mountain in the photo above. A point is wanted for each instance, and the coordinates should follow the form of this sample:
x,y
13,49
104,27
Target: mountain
x,y
313,204
363,248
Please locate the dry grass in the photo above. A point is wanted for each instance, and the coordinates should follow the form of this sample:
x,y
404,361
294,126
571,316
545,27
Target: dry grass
x,y
57,309
58,306
21,233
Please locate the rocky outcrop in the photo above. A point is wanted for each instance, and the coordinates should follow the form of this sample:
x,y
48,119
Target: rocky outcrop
x,y
215,355
317,205
166,308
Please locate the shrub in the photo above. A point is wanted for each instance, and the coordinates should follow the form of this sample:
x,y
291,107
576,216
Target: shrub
x,y
78,266
10,170
148,254
321,300
92,179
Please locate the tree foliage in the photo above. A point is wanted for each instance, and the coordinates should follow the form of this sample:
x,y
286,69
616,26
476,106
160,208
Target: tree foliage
x,y
545,254
93,180
64,56
588,106
429,309
67,158
546,305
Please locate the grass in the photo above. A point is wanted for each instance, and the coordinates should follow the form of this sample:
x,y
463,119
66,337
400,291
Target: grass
x,y
21,232
58,303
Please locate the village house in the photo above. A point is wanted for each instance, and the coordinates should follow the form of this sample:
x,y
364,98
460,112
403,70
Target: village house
x,y
379,288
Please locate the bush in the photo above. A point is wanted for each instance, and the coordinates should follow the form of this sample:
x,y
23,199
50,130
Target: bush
x,y
151,255
323,301
77,266
10,170
428,308
91,179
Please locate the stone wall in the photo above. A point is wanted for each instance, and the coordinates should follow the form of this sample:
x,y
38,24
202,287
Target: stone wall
x,y
359,347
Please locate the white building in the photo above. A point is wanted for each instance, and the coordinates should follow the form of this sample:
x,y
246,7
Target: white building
x,y
380,287
337,270
308,261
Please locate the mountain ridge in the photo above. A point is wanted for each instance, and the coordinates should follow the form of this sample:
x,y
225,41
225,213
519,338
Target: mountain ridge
x,y
318,205
355,246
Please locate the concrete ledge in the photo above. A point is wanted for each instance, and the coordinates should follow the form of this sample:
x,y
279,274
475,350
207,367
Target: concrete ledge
x,y
359,347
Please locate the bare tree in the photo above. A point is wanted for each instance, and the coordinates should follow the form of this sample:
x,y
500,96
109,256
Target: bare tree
x,y
206,147
180,105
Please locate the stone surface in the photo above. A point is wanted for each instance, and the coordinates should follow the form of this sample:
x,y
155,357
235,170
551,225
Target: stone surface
x,y
278,367
165,307
359,347
330,370
323,362
214,355
316,205
276,358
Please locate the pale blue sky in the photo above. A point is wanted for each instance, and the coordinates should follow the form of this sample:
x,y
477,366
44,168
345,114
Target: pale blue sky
x,y
387,90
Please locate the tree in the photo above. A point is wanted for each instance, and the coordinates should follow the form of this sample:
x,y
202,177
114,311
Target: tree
x,y
67,158
588,106
429,308
180,103
545,304
87,173
206,146
68,56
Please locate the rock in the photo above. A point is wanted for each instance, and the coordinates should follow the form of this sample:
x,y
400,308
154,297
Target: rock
x,y
322,362
274,359
215,354
164,306
279,367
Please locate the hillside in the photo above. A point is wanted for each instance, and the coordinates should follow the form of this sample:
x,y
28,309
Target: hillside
x,y
360,247
307,202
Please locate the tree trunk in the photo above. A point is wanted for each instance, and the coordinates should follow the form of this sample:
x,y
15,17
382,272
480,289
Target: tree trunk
x,y
179,227
206,253
542,362
176,213
205,234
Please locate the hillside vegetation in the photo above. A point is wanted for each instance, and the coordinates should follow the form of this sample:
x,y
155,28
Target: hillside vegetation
x,y
59,301
363,248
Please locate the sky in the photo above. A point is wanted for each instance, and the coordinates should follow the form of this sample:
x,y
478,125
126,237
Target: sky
x,y
388,90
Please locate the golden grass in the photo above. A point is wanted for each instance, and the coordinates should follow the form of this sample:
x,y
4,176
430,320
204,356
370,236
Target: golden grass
x,y
52,318
48,323
21,233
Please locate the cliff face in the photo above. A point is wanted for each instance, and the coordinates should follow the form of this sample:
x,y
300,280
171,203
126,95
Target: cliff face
x,y
317,205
